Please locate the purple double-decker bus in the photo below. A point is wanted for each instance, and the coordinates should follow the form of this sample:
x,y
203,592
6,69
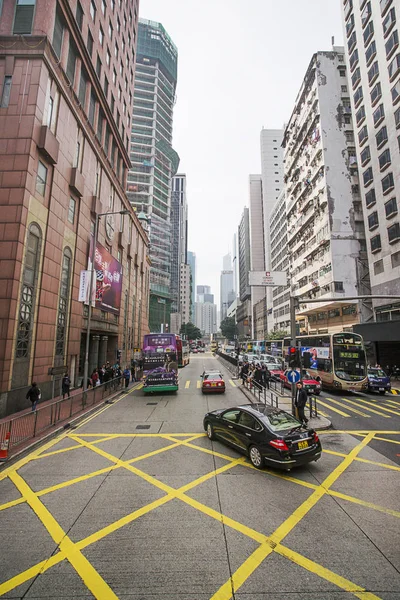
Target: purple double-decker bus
x,y
160,363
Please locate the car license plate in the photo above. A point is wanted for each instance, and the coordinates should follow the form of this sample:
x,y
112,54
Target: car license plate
x,y
213,385
302,445
381,389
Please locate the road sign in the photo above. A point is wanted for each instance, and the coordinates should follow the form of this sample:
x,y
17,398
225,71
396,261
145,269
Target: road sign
x,y
293,376
61,370
267,278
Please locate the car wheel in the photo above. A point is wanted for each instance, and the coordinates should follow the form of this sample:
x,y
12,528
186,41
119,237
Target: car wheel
x,y
317,393
256,458
210,431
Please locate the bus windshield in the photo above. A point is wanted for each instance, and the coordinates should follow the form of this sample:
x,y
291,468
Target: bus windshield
x,y
349,357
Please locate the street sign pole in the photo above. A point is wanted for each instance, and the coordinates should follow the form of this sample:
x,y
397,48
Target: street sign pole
x,y
293,343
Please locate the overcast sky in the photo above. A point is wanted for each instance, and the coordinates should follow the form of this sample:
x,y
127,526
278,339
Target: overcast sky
x,y
240,67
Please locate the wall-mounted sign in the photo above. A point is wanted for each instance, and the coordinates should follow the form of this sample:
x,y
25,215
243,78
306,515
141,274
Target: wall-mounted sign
x,y
267,278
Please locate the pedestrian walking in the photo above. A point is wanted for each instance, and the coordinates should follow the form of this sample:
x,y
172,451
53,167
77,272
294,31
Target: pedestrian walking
x,y
65,385
244,372
95,378
127,376
34,395
300,402
258,376
102,371
133,370
266,376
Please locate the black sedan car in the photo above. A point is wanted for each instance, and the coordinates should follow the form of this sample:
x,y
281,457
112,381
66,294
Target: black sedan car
x,y
267,435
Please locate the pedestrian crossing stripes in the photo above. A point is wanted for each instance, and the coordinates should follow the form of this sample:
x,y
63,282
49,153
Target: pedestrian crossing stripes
x,y
363,407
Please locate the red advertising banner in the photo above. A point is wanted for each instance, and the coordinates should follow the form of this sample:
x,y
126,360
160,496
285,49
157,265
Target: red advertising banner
x,y
108,280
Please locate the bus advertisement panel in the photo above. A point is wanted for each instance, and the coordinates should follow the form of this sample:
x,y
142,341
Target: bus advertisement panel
x,y
160,366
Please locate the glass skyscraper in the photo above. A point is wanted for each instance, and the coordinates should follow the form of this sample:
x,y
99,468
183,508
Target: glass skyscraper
x,y
154,161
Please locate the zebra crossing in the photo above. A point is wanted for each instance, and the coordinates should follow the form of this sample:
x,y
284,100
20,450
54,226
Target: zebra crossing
x,y
385,407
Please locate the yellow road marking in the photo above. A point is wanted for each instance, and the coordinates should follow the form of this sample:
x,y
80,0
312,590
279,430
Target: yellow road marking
x,y
364,460
356,431
187,385
325,573
322,413
76,447
155,435
354,410
232,384
392,403
91,578
374,411
386,440
264,550
199,385
340,412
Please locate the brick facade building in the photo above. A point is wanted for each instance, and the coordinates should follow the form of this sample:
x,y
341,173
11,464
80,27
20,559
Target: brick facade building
x,y
66,90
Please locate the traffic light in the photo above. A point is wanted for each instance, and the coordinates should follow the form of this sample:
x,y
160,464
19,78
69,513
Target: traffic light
x,y
293,357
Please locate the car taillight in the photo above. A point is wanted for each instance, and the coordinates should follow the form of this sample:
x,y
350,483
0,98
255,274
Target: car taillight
x,y
316,438
220,383
279,444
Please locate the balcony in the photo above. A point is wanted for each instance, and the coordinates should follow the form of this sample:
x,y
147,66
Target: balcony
x,y
77,182
48,144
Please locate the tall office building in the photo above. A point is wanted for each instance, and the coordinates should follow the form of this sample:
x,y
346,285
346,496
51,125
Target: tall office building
x,y
235,264
227,262
257,252
373,61
154,161
191,259
203,294
206,317
272,178
227,295
243,313
66,80
179,228
326,238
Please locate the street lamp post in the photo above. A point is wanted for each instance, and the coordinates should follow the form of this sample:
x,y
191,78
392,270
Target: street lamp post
x,y
89,318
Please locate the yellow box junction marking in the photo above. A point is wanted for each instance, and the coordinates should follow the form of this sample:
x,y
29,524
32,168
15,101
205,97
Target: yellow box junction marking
x,y
232,383
187,385
336,410
199,385
266,544
354,410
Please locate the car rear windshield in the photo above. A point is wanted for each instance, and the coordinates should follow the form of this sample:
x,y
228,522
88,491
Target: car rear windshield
x,y
279,421
377,373
213,376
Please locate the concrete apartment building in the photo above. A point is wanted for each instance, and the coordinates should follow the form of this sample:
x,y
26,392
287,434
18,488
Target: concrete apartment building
x,y
326,238
66,82
154,161
179,231
227,294
371,32
279,309
243,312
191,259
184,293
206,317
257,255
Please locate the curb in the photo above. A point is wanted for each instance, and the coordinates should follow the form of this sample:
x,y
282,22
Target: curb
x,y
395,391
61,428
328,425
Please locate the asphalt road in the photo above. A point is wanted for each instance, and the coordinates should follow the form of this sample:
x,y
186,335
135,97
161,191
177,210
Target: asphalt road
x,y
136,503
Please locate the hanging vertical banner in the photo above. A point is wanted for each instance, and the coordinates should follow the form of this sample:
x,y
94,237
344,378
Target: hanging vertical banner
x,y
107,281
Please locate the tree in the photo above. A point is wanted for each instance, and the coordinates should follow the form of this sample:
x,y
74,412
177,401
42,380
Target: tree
x,y
277,335
228,328
190,331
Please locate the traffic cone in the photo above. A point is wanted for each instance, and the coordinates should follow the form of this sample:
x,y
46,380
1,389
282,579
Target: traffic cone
x,y
4,445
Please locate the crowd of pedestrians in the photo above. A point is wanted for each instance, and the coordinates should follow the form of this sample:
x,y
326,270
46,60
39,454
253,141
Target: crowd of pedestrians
x,y
255,374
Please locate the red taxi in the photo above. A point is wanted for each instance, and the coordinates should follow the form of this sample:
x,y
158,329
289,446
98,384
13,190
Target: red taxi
x,y
311,385
213,382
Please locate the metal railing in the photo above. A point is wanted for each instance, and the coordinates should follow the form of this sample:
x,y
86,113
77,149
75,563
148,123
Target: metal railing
x,y
29,425
312,404
262,394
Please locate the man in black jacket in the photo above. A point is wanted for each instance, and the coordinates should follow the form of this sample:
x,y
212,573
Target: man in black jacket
x,y
33,395
300,402
244,372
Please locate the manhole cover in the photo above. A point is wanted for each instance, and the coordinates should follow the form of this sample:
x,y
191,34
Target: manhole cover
x,y
142,426
152,403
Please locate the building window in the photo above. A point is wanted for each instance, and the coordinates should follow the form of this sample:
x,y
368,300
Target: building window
x,y
392,43
356,78
384,159
370,198
41,178
353,60
365,156
389,22
376,94
368,32
63,302
395,91
338,286
370,53
363,135
114,76
118,25
368,177
387,183
101,36
82,87
71,62
92,108
90,44
358,96
103,6
5,96
360,116
366,13
79,15
391,208
373,221
394,233
349,27
394,67
58,33
71,210
79,151
381,137
116,50
378,267
351,42
373,73
379,115
93,10
28,292
105,86
100,120
23,19
376,245
98,67
110,30
395,258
